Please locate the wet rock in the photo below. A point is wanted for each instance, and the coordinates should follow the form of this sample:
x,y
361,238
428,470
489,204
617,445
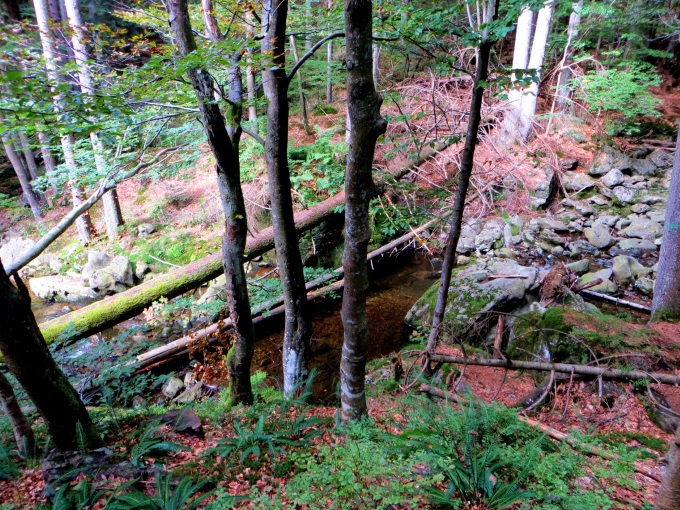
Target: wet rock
x,y
580,247
146,229
492,232
580,266
613,178
607,159
634,247
61,288
575,181
645,285
172,387
623,194
606,287
599,236
643,229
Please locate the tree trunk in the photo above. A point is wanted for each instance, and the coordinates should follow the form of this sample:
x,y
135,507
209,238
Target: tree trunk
x,y
31,165
520,61
329,61
298,329
563,92
113,217
250,72
17,164
538,47
376,65
301,91
223,139
83,223
49,160
363,106
12,10
666,302
23,433
466,165
29,360
668,497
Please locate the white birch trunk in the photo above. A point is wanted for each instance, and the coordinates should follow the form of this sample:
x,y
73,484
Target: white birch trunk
x,y
563,93
376,64
250,73
83,223
112,213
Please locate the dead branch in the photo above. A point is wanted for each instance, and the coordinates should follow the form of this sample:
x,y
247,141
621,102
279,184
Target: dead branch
x,y
565,368
604,297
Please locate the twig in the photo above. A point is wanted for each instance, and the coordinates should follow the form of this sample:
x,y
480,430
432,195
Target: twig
x,y
163,261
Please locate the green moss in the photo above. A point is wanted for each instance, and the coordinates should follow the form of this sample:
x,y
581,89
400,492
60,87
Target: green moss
x,y
626,436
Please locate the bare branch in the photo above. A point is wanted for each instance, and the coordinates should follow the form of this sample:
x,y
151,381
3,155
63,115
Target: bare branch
x,y
311,52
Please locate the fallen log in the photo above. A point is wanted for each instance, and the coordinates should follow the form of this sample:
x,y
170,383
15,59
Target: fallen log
x,y
115,309
547,430
565,368
611,299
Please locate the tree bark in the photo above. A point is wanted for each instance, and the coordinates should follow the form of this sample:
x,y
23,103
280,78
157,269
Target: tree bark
x,y
668,497
17,164
250,72
83,223
666,302
49,160
223,139
466,165
301,91
563,92
29,360
298,329
363,106
12,10
31,165
113,217
23,433
115,309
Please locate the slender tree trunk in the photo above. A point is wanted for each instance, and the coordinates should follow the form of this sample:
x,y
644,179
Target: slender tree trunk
x,y
666,302
464,175
520,61
668,497
17,164
12,10
298,328
83,223
223,139
49,160
563,92
23,433
301,91
250,72
54,13
29,360
376,65
329,73
363,106
308,26
31,165
113,217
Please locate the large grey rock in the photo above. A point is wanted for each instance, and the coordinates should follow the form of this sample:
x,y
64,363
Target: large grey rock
x,y
108,275
468,232
644,167
172,387
640,208
613,178
661,159
13,248
607,159
633,247
580,266
580,247
146,229
606,287
599,236
581,207
624,195
61,288
608,220
96,260
551,224
576,181
543,191
626,269
492,232
645,285
643,229
658,216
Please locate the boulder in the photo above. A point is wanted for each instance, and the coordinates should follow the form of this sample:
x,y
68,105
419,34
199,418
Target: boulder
x,y
580,247
13,248
645,285
606,287
172,387
661,159
640,208
634,247
96,260
107,275
146,229
551,224
644,167
61,288
599,236
580,266
658,216
543,191
607,159
613,178
643,229
581,207
623,194
575,181
468,232
626,269
492,232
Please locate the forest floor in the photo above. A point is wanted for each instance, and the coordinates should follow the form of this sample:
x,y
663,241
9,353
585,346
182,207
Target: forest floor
x,y
186,206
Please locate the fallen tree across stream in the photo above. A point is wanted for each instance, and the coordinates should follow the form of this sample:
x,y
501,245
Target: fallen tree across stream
x,y
565,368
115,309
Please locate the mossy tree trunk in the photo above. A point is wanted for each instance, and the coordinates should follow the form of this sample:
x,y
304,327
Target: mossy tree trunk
x,y
666,303
363,106
29,360
298,329
464,175
223,139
